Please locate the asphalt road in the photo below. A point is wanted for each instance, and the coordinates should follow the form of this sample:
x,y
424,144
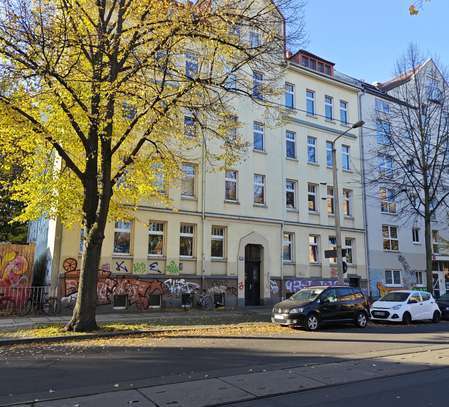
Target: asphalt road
x,y
30,372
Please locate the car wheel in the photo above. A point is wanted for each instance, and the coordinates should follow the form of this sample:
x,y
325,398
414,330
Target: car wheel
x,y
361,320
406,318
312,322
436,317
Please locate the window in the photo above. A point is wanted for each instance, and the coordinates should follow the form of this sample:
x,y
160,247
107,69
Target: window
x,y
258,136
390,237
234,29
189,125
217,242
329,107
327,69
254,39
290,144
313,249
231,79
382,106
290,192
329,157
305,61
332,246
385,165
232,132
393,277
330,200
259,189
387,200
188,181
419,278
415,235
320,67
348,250
347,202
312,198
186,235
310,102
435,241
287,247
122,237
159,179
345,162
311,149
257,85
191,65
156,239
289,95
231,185
383,130
344,112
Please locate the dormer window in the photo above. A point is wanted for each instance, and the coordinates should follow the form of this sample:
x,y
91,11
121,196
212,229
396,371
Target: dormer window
x,y
313,62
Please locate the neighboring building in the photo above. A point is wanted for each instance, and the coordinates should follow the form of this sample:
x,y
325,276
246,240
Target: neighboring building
x,y
395,240
255,232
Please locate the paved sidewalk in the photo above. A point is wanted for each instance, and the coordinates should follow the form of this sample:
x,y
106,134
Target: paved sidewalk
x,y
259,313
222,390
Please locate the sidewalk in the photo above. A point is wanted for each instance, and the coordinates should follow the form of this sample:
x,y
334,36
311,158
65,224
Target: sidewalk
x,y
222,390
250,314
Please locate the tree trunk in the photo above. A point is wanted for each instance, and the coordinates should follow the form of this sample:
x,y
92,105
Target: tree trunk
x,y
429,250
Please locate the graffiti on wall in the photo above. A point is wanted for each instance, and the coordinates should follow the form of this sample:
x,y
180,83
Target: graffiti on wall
x,y
275,287
296,284
16,262
225,287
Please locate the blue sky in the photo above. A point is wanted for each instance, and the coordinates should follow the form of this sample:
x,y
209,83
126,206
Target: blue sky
x,y
364,38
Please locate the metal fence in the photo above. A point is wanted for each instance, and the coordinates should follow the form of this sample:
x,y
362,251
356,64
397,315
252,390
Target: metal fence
x,y
29,300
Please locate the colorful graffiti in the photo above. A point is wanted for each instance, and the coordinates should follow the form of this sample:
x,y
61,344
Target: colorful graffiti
x,y
16,262
293,285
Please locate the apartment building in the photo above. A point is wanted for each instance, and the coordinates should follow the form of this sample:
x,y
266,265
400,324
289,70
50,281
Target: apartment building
x,y
395,238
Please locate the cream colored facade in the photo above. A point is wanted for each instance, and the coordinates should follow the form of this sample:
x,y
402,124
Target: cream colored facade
x,y
244,222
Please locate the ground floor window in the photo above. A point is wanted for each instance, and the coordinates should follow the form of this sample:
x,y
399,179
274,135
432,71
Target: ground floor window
x,y
393,277
186,240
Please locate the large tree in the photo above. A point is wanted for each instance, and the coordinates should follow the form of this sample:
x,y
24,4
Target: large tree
x,y
413,139
96,92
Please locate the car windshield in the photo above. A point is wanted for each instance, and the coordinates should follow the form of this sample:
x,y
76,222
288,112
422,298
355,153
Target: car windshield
x,y
307,294
395,297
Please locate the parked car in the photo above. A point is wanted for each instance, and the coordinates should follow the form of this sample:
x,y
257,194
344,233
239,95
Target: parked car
x,y
443,304
313,306
405,306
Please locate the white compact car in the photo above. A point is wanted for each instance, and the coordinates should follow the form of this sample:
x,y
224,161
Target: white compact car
x,y
405,306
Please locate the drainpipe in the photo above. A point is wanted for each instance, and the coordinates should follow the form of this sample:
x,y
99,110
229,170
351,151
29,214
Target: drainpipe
x,y
364,194
203,212
284,211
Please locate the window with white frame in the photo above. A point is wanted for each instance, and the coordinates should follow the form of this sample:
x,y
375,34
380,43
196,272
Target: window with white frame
x,y
345,157
159,178
231,79
329,156
312,197
290,193
347,202
435,241
258,136
387,200
217,244
189,124
385,165
344,112
329,107
290,144
254,39
349,243
287,246
191,65
188,180
393,278
382,106
415,235
383,132
231,185
257,85
232,132
122,237
419,278
311,149
156,239
310,102
186,240
314,249
332,246
390,237
330,200
289,95
259,189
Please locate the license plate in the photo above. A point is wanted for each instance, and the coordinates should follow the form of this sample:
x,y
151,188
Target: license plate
x,y
379,314
278,316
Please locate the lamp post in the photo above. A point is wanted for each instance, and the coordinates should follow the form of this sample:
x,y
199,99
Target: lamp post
x,y
339,251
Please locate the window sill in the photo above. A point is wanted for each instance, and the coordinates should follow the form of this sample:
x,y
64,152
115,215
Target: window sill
x,y
391,251
187,258
288,262
312,115
293,210
188,198
331,215
218,260
230,201
315,164
156,257
314,213
315,264
347,171
389,213
417,243
329,167
259,151
349,217
122,255
291,159
332,121
256,205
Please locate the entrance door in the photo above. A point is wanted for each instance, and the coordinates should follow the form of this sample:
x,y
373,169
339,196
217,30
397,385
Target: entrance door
x,y
252,274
